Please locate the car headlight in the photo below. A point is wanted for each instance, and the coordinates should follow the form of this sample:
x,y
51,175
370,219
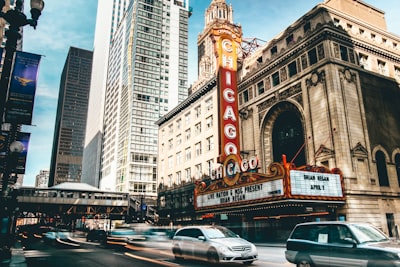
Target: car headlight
x,y
224,249
253,247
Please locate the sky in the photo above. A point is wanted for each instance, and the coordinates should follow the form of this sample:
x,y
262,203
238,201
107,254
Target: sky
x,y
65,24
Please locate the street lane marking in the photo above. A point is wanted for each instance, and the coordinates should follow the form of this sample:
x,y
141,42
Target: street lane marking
x,y
164,263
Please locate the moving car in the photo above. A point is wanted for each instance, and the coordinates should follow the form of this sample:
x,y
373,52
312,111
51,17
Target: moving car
x,y
122,236
96,235
338,244
212,243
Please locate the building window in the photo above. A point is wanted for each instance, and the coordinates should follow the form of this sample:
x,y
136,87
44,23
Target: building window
x,y
188,154
361,31
178,139
197,128
373,36
349,27
209,104
307,27
275,79
336,22
364,61
382,67
198,111
198,170
170,180
260,87
381,168
245,96
292,68
178,124
397,72
209,122
290,40
170,129
210,164
274,50
178,158
343,53
312,56
187,134
178,177
170,144
210,143
188,175
187,118
397,163
198,149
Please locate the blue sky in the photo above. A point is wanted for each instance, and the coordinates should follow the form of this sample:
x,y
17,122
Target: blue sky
x,y
72,23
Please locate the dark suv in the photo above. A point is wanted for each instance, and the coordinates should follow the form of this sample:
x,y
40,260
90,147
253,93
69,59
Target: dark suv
x,y
338,244
97,235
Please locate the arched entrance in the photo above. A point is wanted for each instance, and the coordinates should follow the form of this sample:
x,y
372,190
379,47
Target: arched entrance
x,y
288,138
283,133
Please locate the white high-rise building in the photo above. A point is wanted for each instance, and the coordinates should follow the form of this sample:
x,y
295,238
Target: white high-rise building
x,y
147,76
109,15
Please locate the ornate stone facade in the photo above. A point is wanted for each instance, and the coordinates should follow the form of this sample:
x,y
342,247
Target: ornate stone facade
x,y
324,93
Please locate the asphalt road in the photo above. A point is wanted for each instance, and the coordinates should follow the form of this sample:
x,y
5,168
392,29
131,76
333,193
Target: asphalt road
x,y
40,254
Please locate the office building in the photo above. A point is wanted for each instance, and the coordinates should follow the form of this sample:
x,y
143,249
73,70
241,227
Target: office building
x,y
147,76
109,15
70,124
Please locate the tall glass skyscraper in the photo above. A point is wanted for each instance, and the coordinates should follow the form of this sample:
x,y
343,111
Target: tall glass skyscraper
x,y
147,75
69,130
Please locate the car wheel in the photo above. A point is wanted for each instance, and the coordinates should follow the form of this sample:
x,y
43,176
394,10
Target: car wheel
x,y
304,262
212,256
177,253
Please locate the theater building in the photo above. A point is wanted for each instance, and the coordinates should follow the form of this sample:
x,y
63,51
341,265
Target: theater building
x,y
318,134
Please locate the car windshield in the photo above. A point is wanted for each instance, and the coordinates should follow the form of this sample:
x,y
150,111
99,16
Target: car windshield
x,y
219,233
366,233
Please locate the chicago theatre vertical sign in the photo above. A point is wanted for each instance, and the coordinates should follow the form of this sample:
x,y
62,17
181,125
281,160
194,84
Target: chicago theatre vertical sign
x,y
226,46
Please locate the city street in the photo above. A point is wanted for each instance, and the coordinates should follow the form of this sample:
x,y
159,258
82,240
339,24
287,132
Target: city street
x,y
92,254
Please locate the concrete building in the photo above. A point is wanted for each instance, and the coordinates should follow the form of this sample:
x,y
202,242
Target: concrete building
x,y
147,75
70,125
42,179
325,93
109,16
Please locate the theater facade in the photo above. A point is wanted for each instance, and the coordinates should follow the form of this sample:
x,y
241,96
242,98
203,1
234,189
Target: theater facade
x,y
305,128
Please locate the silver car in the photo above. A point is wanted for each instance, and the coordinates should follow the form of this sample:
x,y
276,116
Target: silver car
x,y
212,243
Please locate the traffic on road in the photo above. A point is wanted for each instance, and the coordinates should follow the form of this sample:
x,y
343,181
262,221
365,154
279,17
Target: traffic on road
x,y
152,246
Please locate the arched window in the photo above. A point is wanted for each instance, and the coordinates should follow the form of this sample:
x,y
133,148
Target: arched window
x,y
288,138
397,162
381,167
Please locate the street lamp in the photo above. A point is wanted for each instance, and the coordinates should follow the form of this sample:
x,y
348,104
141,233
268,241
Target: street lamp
x,y
15,19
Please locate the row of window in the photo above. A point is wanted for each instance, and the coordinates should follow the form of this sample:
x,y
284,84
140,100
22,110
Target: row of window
x,y
306,60
187,174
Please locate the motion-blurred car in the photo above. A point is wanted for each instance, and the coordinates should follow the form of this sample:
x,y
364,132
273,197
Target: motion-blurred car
x,y
338,244
53,236
122,236
96,235
212,243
